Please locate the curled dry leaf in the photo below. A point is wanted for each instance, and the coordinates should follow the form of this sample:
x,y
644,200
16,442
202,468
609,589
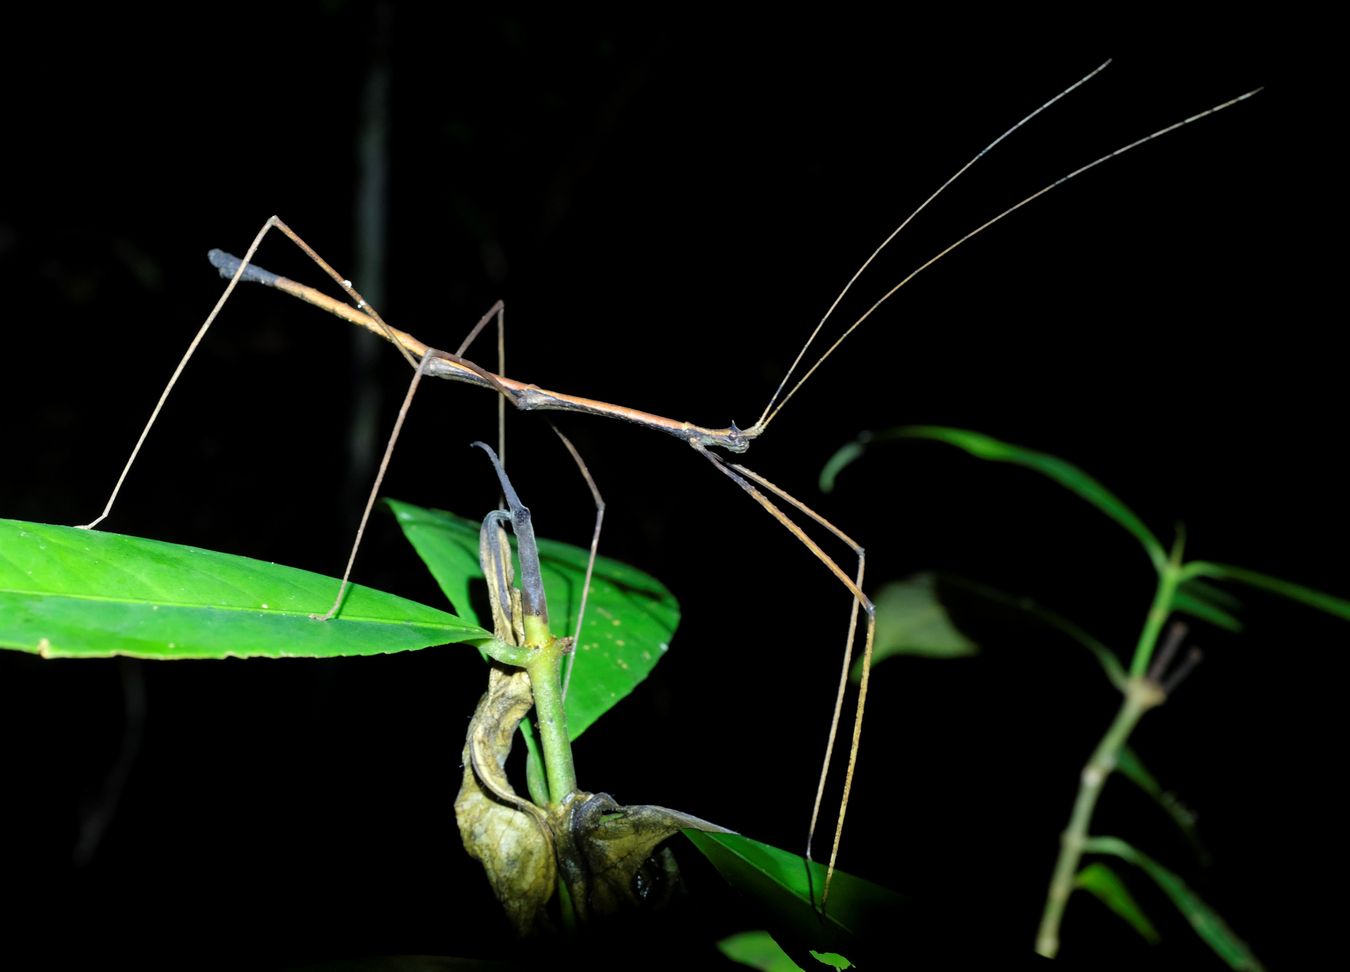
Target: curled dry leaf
x,y
618,850
608,855
509,835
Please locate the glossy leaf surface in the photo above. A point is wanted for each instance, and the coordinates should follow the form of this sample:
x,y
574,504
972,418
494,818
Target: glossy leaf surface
x,y
630,616
778,881
66,592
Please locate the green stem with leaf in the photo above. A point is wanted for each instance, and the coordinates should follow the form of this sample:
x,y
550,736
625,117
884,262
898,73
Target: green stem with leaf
x,y
1141,694
1181,588
1169,576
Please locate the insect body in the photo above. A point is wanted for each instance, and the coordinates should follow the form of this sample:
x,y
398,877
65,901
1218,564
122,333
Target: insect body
x,y
704,440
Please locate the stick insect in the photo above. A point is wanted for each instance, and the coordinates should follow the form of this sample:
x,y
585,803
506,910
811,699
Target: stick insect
x,y
426,360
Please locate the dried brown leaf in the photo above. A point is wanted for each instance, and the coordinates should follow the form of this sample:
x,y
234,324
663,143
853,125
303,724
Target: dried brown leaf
x,y
509,835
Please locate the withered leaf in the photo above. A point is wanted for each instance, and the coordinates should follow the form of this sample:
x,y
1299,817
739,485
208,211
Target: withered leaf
x,y
509,835
618,864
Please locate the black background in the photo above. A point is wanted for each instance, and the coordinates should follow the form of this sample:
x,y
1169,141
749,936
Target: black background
x,y
666,208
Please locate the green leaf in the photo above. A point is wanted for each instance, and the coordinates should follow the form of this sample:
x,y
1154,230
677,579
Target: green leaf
x,y
1130,767
911,620
1105,884
836,464
630,616
986,447
66,592
778,881
1337,606
758,950
1204,919
833,959
1208,603
1104,655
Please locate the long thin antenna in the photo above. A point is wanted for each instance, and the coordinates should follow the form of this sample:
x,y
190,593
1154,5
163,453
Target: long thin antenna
x,y
765,416
763,423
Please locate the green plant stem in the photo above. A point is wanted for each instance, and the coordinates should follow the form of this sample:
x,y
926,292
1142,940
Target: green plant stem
x,y
1169,578
545,669
1140,696
535,780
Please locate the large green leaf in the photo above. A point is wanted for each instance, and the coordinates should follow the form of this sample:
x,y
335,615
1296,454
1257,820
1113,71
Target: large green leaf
x,y
778,882
66,592
1204,919
986,447
630,616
